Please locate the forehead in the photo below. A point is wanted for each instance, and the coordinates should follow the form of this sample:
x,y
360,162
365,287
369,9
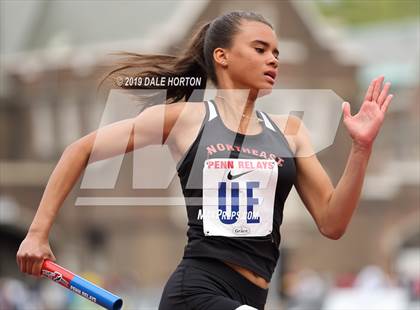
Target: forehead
x,y
253,30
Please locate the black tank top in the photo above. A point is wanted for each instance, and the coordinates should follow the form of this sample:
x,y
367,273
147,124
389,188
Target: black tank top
x,y
214,140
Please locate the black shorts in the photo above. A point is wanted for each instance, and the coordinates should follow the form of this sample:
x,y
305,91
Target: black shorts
x,y
209,284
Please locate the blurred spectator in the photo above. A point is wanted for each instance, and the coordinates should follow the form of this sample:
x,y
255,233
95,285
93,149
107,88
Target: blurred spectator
x,y
308,291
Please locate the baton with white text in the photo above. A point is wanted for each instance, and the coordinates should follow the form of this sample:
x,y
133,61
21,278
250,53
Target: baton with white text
x,y
80,286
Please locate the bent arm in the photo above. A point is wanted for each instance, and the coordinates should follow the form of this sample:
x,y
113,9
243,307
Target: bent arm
x,y
331,208
152,126
345,197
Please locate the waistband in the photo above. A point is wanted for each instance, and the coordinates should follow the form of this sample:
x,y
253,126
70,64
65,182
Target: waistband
x,y
215,266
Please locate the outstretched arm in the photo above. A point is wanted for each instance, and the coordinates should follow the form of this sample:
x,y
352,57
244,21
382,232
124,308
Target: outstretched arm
x,y
332,208
150,127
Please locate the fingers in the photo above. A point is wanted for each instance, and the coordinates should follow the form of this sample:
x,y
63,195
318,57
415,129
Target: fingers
x,y
383,94
31,255
20,264
31,265
369,92
52,257
346,109
36,267
377,88
21,261
28,265
384,107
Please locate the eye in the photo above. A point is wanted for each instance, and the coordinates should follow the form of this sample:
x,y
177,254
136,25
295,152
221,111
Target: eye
x,y
259,50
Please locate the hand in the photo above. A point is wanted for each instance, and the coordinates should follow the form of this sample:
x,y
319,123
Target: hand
x,y
31,254
364,126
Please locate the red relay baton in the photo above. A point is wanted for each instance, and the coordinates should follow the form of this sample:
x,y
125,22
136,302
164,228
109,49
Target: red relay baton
x,y
80,286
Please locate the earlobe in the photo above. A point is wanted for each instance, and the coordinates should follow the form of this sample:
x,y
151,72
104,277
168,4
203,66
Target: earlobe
x,y
220,56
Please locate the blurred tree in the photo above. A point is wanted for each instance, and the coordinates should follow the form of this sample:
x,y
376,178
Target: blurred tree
x,y
362,12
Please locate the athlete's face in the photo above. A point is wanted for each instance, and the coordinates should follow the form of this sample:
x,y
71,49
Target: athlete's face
x,y
252,58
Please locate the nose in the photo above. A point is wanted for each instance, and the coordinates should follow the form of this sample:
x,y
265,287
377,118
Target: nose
x,y
274,62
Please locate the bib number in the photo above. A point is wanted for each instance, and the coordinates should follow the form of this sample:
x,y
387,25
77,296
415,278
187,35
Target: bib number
x,y
238,197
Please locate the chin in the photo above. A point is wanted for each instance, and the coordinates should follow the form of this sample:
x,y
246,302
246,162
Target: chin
x,y
264,91
261,90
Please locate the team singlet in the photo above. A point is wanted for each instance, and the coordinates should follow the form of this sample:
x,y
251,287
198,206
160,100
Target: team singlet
x,y
235,187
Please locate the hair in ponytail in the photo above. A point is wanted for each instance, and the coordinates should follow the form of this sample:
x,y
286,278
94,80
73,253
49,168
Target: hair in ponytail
x,y
196,60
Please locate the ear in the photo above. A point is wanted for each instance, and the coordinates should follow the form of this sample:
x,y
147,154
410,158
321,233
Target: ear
x,y
220,56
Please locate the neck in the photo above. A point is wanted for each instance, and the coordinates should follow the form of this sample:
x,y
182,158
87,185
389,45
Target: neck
x,y
238,103
237,110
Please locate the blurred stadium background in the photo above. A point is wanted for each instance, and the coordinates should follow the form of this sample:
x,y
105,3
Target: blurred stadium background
x,y
53,54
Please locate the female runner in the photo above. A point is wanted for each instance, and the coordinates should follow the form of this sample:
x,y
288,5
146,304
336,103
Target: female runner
x,y
225,149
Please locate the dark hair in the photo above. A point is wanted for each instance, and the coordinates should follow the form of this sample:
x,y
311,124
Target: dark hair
x,y
196,60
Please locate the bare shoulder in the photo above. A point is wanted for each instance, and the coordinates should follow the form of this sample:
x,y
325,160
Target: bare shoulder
x,y
183,115
181,126
296,133
189,112
175,117
289,126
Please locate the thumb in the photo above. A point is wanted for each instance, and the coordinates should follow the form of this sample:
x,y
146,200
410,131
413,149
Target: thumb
x,y
346,109
52,257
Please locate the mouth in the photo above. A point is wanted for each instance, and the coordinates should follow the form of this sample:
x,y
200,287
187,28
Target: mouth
x,y
271,75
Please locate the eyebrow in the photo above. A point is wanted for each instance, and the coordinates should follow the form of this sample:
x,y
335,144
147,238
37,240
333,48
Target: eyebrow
x,y
265,44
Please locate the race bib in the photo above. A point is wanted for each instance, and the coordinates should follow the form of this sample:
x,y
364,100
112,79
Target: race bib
x,y
238,197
